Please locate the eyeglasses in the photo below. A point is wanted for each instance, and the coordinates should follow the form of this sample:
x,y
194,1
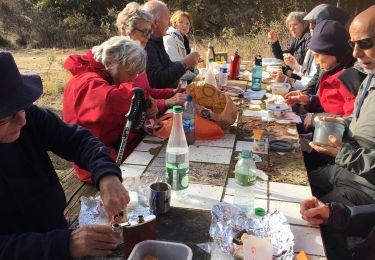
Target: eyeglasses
x,y
363,44
8,119
146,32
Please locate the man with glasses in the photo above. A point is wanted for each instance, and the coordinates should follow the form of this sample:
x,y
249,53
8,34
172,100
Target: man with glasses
x,y
161,71
32,200
351,179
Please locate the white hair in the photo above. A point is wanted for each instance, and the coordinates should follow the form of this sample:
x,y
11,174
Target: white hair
x,y
154,7
130,17
120,50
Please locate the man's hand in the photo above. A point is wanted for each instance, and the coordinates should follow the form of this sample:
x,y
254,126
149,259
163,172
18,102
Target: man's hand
x,y
179,89
278,76
331,151
152,108
114,195
191,60
296,97
93,240
272,36
314,211
291,61
178,99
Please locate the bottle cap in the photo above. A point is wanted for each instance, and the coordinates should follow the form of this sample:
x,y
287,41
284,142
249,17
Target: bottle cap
x,y
245,154
260,212
177,109
210,59
189,98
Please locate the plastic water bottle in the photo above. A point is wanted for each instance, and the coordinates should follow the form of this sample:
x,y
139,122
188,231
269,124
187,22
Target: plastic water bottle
x,y
223,76
177,155
245,175
210,54
189,120
257,74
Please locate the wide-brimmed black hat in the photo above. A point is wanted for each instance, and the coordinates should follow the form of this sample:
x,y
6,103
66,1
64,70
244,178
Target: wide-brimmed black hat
x,y
17,91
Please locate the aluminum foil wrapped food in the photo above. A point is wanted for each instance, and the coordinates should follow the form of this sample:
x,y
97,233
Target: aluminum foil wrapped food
x,y
227,221
93,212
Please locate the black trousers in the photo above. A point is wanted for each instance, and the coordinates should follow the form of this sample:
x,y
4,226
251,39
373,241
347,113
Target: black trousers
x,y
332,183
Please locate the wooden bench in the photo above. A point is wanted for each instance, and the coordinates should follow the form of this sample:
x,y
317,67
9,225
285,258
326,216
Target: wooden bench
x,y
74,189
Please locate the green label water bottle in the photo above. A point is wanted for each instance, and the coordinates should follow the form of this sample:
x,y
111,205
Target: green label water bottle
x,y
177,154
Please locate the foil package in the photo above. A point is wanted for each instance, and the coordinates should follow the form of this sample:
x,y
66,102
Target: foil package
x,y
227,221
93,212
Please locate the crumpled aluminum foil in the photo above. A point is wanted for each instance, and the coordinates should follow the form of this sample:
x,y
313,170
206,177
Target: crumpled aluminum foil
x,y
227,221
93,212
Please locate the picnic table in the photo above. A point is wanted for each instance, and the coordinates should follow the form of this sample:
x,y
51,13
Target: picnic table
x,y
211,180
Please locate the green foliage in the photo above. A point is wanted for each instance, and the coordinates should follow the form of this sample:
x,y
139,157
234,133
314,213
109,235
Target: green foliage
x,y
84,23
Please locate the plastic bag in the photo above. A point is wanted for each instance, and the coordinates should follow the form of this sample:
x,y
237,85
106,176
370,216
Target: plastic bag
x,y
204,128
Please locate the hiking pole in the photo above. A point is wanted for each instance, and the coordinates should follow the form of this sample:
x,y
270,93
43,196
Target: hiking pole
x,y
137,111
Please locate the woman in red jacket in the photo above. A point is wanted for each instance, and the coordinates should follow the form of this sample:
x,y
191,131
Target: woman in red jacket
x,y
135,23
99,93
329,45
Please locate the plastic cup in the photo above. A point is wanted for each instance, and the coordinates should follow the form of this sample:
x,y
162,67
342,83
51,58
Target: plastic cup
x,y
324,129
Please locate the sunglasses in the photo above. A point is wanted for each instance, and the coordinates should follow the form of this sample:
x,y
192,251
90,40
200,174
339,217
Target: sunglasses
x,y
146,32
363,44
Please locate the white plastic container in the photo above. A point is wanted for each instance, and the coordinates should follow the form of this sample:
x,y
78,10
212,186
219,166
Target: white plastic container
x,y
280,89
162,250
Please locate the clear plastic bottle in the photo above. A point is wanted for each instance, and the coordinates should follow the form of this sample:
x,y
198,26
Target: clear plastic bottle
x,y
177,154
210,53
257,74
223,76
189,120
210,76
245,175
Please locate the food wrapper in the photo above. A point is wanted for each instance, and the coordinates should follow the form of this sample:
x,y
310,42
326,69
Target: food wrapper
x,y
227,221
93,211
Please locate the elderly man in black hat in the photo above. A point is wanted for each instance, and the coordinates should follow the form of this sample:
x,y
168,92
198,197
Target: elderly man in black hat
x,y
32,200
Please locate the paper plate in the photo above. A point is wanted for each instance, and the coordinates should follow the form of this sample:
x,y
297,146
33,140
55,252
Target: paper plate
x,y
271,61
282,122
233,91
265,75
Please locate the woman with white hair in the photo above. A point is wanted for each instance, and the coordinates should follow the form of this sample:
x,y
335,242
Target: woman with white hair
x,y
135,23
99,93
298,47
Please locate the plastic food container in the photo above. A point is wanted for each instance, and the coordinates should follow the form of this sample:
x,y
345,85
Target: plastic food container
x,y
324,129
162,250
280,89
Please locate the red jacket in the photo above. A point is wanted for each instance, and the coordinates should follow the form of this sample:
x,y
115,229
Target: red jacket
x,y
334,97
159,94
92,101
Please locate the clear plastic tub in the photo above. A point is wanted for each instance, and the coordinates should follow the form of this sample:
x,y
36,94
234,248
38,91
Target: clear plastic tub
x,y
280,89
162,250
324,129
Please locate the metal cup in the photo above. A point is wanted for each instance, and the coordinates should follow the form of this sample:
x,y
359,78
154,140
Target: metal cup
x,y
160,197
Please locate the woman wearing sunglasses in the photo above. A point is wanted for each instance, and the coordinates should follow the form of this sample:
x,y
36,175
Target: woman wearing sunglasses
x,y
135,23
176,42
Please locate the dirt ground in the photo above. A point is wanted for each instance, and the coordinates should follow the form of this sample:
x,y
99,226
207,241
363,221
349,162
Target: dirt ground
x,y
48,63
